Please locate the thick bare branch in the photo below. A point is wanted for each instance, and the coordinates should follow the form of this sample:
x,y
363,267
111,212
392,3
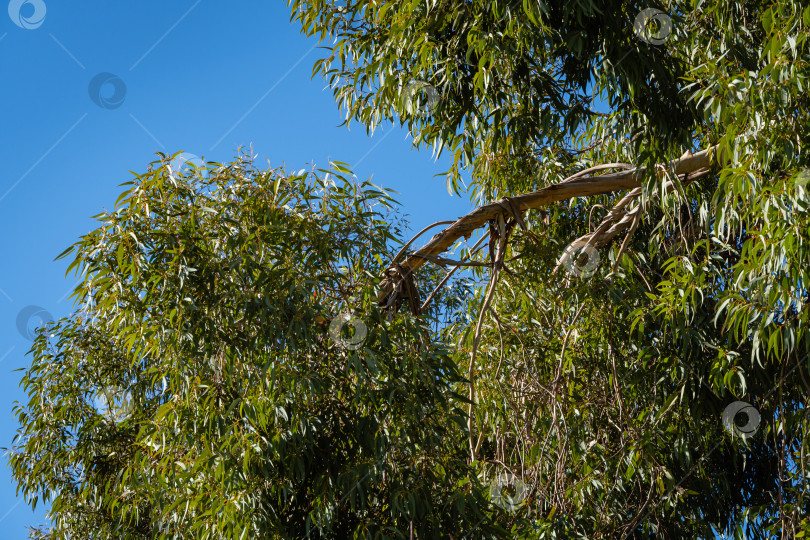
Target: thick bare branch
x,y
580,187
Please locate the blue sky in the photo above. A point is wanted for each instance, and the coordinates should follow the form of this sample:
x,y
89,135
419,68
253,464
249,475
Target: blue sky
x,y
200,76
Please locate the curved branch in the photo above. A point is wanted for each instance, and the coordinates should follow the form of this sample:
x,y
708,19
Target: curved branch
x,y
441,261
619,219
450,273
595,168
578,187
417,235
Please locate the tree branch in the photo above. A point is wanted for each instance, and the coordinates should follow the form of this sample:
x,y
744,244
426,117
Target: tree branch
x,y
579,187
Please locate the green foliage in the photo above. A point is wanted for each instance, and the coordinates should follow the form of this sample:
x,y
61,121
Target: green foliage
x,y
203,299
508,76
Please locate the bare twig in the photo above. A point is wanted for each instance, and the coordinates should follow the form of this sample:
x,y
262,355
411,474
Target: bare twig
x,y
450,273
636,221
496,267
417,235
450,262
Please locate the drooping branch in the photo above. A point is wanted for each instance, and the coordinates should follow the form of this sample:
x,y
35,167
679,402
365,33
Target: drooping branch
x,y
497,264
619,219
573,187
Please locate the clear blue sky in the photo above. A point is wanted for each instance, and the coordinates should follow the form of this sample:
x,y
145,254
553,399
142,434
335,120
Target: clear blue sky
x,y
200,76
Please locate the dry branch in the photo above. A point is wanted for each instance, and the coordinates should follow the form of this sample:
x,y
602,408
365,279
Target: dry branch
x,y
576,187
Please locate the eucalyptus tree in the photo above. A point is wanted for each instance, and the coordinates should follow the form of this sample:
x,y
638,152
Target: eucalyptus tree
x,y
641,184
228,374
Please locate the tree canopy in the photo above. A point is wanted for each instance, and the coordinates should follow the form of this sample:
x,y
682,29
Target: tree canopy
x,y
262,353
